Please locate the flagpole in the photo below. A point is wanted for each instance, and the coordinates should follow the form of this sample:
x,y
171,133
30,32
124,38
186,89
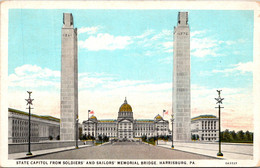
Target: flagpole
x,y
163,113
88,122
88,114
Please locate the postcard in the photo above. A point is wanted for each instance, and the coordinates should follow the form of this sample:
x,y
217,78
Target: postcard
x,y
129,84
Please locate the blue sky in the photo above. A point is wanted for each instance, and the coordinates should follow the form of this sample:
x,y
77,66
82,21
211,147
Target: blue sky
x,y
129,53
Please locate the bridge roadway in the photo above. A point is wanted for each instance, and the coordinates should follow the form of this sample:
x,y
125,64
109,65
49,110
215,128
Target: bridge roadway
x,y
123,150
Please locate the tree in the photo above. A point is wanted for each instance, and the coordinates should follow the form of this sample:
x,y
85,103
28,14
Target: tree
x,y
248,136
197,137
106,138
240,135
144,138
193,137
100,137
88,137
233,135
80,133
151,139
84,137
221,135
58,137
50,137
226,135
252,136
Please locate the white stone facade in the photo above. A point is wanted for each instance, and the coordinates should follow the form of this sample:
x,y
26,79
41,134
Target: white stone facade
x,y
125,127
69,79
181,79
42,127
206,127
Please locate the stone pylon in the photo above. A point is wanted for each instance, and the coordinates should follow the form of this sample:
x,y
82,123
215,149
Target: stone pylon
x,y
69,79
181,79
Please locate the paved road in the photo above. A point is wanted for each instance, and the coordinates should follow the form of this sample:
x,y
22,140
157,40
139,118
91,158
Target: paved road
x,y
123,150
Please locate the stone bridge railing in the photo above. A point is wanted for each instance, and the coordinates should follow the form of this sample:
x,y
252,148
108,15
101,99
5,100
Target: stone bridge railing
x,y
23,147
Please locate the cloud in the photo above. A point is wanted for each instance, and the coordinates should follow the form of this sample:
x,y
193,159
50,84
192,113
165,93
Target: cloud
x,y
114,84
123,83
156,42
105,41
89,30
28,69
104,93
146,33
148,39
166,60
202,44
241,68
31,76
91,80
197,33
168,45
201,47
165,34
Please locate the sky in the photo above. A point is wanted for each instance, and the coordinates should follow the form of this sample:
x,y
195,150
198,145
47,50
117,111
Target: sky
x,y
129,53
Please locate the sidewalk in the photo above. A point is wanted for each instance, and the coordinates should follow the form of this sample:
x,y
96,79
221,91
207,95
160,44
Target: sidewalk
x,y
230,151
22,155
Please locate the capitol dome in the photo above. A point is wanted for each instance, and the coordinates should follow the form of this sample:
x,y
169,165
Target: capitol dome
x,y
93,117
158,117
125,107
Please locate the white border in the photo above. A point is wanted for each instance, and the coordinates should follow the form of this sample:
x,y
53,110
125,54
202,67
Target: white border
x,y
188,5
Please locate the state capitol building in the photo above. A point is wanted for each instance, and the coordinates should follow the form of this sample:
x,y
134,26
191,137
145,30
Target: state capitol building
x,y
125,126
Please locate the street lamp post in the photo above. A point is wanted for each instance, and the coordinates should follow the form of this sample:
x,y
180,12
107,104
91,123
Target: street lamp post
x,y
29,102
172,131
219,101
77,129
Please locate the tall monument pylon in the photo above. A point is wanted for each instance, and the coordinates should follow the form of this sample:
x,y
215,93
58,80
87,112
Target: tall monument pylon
x,y
69,79
181,79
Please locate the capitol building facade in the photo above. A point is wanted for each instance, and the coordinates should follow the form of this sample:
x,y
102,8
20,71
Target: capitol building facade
x,y
125,126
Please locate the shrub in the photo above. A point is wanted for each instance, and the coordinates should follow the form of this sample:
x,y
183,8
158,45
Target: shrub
x,y
50,137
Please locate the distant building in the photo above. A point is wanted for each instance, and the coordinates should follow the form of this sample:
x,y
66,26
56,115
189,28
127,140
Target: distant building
x,y
205,127
125,127
42,127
